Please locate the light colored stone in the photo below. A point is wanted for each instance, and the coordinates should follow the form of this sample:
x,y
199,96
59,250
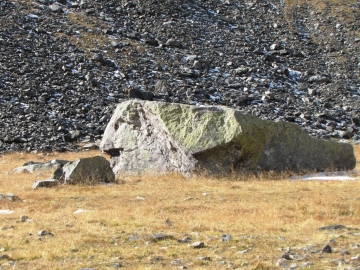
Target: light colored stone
x,y
45,183
163,137
173,43
9,197
36,167
198,244
6,212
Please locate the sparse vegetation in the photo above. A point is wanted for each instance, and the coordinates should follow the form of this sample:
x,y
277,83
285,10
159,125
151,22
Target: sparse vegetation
x,y
263,217
345,11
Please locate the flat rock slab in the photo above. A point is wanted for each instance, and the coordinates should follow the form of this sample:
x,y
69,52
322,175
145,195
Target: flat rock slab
x,y
45,183
31,166
164,137
328,176
6,212
9,197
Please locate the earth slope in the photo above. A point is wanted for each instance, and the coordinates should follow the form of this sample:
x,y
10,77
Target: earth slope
x,y
65,65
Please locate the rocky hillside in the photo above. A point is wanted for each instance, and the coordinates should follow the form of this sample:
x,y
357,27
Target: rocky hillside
x,y
65,65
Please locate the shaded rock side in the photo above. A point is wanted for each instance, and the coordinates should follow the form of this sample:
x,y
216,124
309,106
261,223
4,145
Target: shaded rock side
x,y
93,170
164,137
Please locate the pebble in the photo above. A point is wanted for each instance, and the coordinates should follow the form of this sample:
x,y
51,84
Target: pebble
x,y
198,244
44,233
226,238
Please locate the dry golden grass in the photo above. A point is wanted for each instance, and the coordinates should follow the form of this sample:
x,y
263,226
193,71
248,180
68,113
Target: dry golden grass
x,y
263,216
344,11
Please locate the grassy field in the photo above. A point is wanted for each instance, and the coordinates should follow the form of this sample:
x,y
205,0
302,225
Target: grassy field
x,y
264,218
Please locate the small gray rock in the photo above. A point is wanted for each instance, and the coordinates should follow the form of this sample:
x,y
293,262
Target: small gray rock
x,y
226,238
173,43
23,218
161,236
186,239
44,233
56,8
198,244
332,227
9,197
4,257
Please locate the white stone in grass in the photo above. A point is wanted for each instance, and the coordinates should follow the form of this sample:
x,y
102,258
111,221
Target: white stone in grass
x,y
79,211
281,262
198,244
6,212
140,198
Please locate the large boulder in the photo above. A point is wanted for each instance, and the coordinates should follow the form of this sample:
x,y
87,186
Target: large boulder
x,y
156,136
85,171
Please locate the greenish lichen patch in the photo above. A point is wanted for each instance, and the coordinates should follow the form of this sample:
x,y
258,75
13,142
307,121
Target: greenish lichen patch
x,y
198,128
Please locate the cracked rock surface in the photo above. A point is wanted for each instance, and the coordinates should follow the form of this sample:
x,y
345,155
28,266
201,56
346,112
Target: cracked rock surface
x,y
65,65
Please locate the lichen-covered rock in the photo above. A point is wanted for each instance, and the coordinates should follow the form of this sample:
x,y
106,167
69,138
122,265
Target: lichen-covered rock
x,y
87,171
157,136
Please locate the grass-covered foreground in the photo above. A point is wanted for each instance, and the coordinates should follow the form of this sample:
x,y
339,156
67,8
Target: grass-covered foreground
x,y
264,218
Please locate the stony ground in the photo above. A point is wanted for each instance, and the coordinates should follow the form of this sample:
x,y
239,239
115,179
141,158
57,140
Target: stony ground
x,y
65,65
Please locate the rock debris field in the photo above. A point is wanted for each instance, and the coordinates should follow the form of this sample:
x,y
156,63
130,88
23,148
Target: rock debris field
x,y
65,65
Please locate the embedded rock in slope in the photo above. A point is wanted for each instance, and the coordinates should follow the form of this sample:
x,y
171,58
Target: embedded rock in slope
x,y
156,136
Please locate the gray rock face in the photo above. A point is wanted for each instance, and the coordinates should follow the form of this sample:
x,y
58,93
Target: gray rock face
x,y
156,136
87,171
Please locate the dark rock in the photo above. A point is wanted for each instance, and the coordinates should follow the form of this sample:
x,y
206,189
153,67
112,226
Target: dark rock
x,y
161,236
98,57
86,171
332,227
355,121
326,249
152,42
135,93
